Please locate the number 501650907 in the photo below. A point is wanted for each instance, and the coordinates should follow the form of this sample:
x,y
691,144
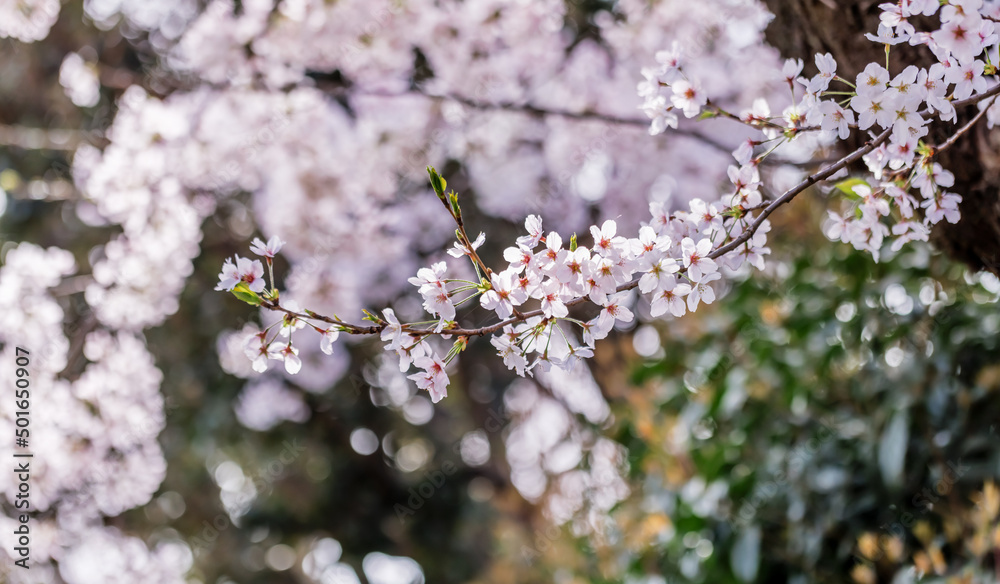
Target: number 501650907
x,y
22,383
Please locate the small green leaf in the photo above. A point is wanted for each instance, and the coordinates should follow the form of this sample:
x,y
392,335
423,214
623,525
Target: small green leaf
x,y
707,115
244,293
437,182
453,199
572,243
847,185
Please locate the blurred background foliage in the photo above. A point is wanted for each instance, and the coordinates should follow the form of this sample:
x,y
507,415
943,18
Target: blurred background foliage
x,y
828,420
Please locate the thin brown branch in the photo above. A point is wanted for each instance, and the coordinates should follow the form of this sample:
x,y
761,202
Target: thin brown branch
x,y
530,109
523,316
310,315
794,191
977,98
961,131
745,236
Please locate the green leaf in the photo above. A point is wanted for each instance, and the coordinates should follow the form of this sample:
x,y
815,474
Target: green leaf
x,y
572,243
847,185
437,182
244,293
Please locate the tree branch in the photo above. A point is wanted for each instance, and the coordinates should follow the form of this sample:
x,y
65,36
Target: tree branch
x,y
961,131
527,108
741,239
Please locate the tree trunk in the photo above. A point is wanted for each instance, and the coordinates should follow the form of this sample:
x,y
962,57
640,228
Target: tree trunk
x,y
802,28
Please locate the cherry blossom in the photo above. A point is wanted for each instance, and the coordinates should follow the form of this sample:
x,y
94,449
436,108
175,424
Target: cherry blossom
x,y
967,77
688,97
791,70
288,354
836,119
552,299
504,293
670,299
256,349
533,224
696,258
873,107
393,331
959,37
269,249
553,254
872,81
510,351
461,250
433,378
329,337
681,256
604,238
244,270
290,323
702,292
615,311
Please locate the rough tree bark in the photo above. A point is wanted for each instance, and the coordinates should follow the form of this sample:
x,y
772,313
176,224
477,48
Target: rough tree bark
x,y
802,28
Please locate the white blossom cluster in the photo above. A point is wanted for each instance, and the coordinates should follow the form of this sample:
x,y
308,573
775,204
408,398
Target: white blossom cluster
x,y
27,20
79,80
671,261
321,170
320,174
904,175
93,437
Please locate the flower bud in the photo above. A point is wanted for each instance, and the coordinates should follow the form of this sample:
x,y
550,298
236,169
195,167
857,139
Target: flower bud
x,y
437,182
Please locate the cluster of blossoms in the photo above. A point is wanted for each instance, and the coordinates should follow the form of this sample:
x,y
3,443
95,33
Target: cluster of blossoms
x,y
27,20
906,179
245,278
673,261
258,124
97,452
677,256
166,154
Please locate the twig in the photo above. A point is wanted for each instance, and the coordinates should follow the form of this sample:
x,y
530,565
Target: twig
x,y
527,108
745,236
961,131
791,193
